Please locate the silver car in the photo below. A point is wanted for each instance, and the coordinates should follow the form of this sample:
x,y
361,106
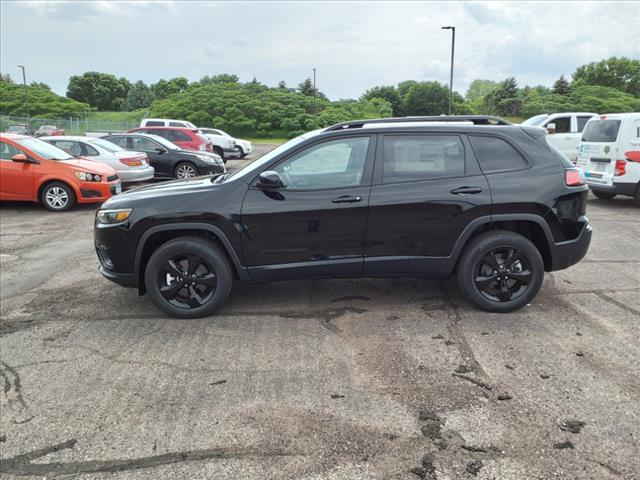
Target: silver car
x,y
130,166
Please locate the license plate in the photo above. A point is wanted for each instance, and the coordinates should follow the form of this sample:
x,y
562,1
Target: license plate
x,y
594,175
601,167
118,188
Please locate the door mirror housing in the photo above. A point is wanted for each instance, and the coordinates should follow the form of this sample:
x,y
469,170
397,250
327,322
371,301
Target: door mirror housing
x,y
551,128
269,180
161,150
21,158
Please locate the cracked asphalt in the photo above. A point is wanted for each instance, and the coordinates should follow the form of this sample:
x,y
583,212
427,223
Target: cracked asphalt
x,y
331,379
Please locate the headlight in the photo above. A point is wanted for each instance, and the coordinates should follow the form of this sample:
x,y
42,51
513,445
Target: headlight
x,y
207,158
202,147
114,216
88,177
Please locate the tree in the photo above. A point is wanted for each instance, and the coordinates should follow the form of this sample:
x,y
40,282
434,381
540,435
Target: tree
x,y
40,85
478,89
306,88
282,85
139,96
388,93
620,73
426,98
504,100
42,102
6,78
220,78
100,90
561,86
163,88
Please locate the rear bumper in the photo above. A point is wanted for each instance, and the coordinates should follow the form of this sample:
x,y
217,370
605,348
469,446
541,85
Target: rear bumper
x,y
565,254
619,188
136,174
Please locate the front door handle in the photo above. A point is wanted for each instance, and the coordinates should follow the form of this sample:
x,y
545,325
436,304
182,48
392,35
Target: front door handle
x,y
346,199
466,190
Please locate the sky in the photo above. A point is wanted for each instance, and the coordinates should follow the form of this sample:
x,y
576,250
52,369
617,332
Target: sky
x,y
353,45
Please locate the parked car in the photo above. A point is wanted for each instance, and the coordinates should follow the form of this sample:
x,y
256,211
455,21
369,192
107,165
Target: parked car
x,y
48,130
609,154
241,147
389,197
222,145
130,166
19,129
35,171
165,122
168,159
185,138
565,129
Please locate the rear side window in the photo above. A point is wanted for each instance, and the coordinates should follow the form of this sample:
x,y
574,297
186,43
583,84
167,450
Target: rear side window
x,y
154,123
605,131
176,124
72,148
421,157
582,121
496,155
176,136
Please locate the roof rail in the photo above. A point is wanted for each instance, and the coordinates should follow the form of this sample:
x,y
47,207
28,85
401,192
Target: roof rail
x,y
475,119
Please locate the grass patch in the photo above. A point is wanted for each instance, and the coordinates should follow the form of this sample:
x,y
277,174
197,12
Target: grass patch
x,y
274,140
116,116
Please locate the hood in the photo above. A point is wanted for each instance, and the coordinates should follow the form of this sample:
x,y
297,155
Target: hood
x,y
163,190
89,166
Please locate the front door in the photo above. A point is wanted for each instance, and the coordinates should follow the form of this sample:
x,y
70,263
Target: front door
x,y
315,224
427,188
16,178
161,162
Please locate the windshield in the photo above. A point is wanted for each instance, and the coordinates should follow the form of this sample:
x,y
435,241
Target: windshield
x,y
16,128
535,121
601,131
44,149
108,146
256,165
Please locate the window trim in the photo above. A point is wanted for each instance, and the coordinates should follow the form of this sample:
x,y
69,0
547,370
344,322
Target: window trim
x,y
84,148
367,171
528,163
379,166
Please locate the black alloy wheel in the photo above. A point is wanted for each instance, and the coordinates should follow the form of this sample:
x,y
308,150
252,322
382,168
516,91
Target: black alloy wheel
x,y
187,281
503,274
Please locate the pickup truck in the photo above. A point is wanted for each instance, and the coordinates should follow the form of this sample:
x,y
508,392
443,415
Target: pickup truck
x,y
565,129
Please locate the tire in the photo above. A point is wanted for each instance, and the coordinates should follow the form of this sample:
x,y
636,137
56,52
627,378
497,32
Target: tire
x,y
172,293
57,197
241,152
185,170
510,255
604,195
218,151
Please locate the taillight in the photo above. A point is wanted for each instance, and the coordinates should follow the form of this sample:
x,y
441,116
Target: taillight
x,y
633,156
573,177
131,162
621,168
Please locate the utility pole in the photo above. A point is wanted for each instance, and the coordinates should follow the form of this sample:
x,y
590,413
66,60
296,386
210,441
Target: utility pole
x,y
453,44
26,95
315,113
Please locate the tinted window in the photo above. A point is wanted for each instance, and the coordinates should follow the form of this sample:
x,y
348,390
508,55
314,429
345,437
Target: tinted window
x,y
89,150
176,124
141,143
154,123
176,136
72,148
601,131
422,157
563,124
7,151
332,164
582,121
120,141
494,154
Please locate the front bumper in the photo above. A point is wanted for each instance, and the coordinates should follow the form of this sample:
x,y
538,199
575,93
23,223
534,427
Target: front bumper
x,y
619,188
231,153
139,174
124,279
565,254
94,192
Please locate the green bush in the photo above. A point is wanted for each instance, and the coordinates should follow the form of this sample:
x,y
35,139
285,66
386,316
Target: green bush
x,y
42,102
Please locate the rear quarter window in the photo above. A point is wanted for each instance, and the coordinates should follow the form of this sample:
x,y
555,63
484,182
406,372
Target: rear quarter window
x,y
496,155
154,123
601,131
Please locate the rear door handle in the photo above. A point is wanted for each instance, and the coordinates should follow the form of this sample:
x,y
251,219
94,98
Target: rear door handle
x,y
466,190
346,199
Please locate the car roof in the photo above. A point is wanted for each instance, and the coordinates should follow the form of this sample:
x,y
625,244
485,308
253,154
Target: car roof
x,y
139,134
14,136
76,138
165,128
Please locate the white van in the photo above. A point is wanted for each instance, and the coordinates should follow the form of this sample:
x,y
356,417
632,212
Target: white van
x,y
609,155
565,129
165,122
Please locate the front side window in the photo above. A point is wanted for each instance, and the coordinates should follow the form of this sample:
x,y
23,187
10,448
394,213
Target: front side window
x,y
332,164
495,155
44,149
8,151
563,124
410,158
176,136
119,141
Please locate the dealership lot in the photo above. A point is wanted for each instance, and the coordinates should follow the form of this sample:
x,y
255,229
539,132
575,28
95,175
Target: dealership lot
x,y
345,379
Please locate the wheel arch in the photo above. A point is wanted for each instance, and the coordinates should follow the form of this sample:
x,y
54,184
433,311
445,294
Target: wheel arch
x,y
43,182
160,234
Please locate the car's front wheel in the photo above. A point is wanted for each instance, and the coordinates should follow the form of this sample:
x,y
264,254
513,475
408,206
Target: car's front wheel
x,y
500,271
58,197
185,170
240,152
189,277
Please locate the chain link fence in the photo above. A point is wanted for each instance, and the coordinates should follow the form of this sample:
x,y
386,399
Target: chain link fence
x,y
71,125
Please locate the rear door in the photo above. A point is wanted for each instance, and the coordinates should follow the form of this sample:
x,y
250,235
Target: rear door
x,y
598,150
426,189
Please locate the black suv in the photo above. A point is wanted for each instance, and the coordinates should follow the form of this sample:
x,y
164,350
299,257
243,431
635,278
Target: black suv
x,y
471,196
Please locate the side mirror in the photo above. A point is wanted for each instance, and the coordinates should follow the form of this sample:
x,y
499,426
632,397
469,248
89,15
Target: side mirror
x,y
21,158
269,180
551,128
161,150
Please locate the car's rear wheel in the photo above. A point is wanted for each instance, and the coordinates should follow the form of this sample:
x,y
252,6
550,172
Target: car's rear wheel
x,y
500,271
603,195
240,152
185,170
188,277
57,197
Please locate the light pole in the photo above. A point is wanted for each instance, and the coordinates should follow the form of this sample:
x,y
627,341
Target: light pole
x,y
315,120
26,95
453,44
